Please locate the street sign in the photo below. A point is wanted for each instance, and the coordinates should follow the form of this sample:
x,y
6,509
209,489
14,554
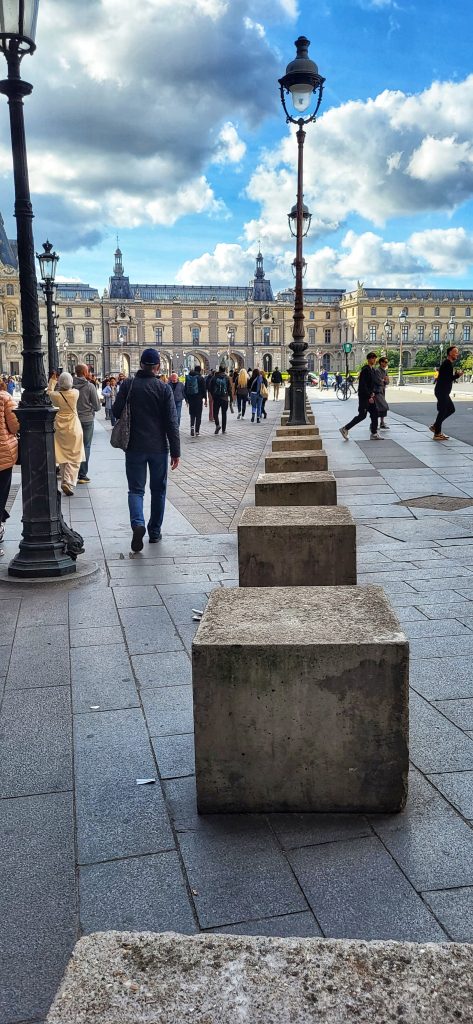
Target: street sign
x,y
347,347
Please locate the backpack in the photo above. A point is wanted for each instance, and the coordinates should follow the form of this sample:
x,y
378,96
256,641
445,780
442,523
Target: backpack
x,y
192,384
220,387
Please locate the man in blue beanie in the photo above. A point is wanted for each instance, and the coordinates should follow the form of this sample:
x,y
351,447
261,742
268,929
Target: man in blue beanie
x,y
154,434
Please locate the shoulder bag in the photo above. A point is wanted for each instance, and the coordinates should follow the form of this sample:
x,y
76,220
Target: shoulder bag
x,y
120,436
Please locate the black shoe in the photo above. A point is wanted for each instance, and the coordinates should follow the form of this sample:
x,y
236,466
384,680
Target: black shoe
x,y
253,419
258,421
137,539
217,428
192,431
155,539
265,415
223,431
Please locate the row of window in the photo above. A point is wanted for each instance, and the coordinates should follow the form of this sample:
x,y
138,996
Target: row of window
x,y
419,335
88,335
405,310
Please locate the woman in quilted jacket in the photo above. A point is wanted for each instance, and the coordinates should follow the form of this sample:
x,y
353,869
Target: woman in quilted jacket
x,y
9,428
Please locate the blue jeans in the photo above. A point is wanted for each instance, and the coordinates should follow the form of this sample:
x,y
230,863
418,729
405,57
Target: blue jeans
x,y
256,403
136,464
88,432
179,410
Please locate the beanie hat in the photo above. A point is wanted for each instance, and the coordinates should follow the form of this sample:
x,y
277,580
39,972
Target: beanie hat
x,y
150,357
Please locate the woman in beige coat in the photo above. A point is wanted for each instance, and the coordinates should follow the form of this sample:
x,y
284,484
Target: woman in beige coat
x,y
68,437
9,428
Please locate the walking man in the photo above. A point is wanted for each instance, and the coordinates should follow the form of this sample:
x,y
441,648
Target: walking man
x,y
276,381
88,404
179,394
366,399
195,394
443,387
380,399
154,433
220,390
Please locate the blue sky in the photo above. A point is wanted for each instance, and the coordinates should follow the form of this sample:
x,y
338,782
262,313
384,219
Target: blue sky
x,y
165,127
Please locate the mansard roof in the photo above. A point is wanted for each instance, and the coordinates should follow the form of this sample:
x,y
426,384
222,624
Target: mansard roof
x,y
258,290
8,249
324,296
76,289
424,294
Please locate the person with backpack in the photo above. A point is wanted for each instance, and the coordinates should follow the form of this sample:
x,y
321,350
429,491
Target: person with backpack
x,y
195,393
256,398
220,389
154,436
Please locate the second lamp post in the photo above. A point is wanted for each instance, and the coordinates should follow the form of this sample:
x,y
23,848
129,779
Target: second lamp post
x,y
303,81
48,261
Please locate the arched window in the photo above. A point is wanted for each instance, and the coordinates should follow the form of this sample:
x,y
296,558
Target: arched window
x,y
68,311
327,315
452,310
266,335
312,315
389,311
326,360
231,314
267,362
72,361
195,314
158,312
88,335
196,335
11,320
10,289
437,311
87,311
373,311
89,360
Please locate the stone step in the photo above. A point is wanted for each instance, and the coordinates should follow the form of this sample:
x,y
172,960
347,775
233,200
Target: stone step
x,y
296,462
296,489
295,444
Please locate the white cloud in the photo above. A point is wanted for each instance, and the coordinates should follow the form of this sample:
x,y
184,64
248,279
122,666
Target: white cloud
x,y
387,157
230,149
228,264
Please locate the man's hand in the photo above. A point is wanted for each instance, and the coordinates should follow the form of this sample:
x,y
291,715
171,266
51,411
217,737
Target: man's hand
x,y
460,373
371,399
174,463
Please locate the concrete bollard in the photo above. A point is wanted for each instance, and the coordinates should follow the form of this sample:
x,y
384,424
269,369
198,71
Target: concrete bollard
x,y
297,444
296,462
325,553
309,431
300,701
277,489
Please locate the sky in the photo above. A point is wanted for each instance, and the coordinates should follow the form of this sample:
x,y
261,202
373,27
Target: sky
x,y
160,123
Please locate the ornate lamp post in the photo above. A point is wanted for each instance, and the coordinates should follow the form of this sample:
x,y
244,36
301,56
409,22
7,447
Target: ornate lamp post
x,y
402,324
42,548
303,81
48,261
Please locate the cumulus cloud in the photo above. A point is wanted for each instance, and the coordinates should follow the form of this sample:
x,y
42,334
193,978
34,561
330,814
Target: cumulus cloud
x,y
387,157
126,107
228,264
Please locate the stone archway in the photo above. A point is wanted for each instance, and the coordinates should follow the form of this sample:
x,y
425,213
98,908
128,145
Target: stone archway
x,y
166,363
267,362
196,358
238,359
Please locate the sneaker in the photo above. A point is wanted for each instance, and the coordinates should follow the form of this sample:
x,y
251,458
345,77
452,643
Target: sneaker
x,y
440,437
137,538
344,433
217,428
239,416
192,431
154,539
67,490
83,480
375,437
432,428
197,433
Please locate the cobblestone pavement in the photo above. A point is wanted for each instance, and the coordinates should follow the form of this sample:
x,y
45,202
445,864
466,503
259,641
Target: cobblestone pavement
x,y
96,687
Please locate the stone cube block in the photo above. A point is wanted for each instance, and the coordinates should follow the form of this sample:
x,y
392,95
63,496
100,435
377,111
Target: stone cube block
x,y
296,489
295,444
309,431
296,462
297,546
300,701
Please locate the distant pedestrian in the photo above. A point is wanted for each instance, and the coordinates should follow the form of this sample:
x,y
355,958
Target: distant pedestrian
x,y
11,386
154,434
196,395
220,389
9,427
88,404
256,399
442,389
208,380
242,392
276,381
179,393
109,391
366,399
381,371
264,394
68,431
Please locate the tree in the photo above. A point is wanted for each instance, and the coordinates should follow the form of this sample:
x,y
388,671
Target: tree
x,y
428,358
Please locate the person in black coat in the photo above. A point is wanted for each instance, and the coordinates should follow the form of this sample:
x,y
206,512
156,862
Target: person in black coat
x,y
154,434
442,389
195,391
179,393
367,383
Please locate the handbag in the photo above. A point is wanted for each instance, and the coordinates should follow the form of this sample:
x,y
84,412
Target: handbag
x,y
120,436
264,391
381,404
242,392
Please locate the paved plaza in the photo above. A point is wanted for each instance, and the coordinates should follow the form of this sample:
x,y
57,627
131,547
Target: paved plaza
x,y
96,684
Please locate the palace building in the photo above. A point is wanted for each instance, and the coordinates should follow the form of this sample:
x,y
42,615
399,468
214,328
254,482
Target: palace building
x,y
211,324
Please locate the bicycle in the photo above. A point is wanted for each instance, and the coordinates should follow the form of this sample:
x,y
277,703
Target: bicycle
x,y
344,391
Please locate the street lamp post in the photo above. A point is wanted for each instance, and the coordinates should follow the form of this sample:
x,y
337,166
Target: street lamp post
x,y
402,324
42,548
48,261
303,81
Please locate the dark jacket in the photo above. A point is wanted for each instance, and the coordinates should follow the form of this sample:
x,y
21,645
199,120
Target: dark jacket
x,y
153,417
178,391
88,402
366,383
276,377
213,386
202,392
445,379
